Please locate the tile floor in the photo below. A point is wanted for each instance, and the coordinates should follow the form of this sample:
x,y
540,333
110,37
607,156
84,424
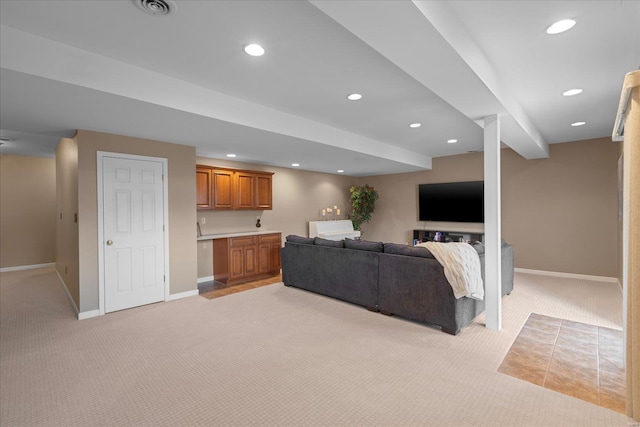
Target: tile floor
x,y
580,360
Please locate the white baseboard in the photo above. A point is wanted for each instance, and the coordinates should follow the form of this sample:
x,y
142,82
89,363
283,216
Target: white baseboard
x,y
27,267
205,279
95,313
181,295
568,275
80,315
88,314
69,297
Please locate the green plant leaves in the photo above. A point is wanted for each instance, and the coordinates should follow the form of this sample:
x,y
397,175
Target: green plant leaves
x,y
363,200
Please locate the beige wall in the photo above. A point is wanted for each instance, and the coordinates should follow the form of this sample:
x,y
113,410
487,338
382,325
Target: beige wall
x,y
182,211
67,259
298,197
559,213
27,210
396,213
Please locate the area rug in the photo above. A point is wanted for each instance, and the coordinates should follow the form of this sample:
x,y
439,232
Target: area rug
x,y
576,359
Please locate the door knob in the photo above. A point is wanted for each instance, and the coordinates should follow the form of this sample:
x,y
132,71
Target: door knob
x,y
109,242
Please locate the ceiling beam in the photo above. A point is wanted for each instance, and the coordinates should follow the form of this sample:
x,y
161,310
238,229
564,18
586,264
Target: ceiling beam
x,y
427,41
33,55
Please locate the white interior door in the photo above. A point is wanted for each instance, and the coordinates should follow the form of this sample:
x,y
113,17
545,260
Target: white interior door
x,y
133,232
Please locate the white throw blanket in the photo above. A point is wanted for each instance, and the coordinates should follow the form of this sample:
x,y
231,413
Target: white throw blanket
x,y
461,267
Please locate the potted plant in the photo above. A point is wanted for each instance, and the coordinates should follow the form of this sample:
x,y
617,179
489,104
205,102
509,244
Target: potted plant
x,y
363,201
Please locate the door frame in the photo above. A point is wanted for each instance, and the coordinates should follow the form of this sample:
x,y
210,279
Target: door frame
x,y
165,211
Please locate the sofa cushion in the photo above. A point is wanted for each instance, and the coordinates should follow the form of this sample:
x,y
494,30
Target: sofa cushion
x,y
363,245
326,242
299,239
416,251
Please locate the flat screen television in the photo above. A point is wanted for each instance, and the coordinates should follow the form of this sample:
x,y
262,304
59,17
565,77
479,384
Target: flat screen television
x,y
452,201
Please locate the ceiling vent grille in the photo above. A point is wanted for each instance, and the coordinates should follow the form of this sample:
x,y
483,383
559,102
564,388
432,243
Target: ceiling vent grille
x,y
156,7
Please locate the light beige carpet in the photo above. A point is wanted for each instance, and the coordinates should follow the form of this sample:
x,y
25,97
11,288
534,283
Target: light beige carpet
x,y
277,356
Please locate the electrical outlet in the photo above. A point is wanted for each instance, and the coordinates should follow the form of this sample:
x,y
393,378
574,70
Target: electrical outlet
x,y
203,220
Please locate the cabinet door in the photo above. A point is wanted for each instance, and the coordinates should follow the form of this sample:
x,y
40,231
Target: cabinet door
x,y
243,257
264,257
250,260
203,188
236,263
222,189
244,190
264,192
275,256
269,252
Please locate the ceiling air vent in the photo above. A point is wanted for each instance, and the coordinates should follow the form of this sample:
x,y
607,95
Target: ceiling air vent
x,y
156,7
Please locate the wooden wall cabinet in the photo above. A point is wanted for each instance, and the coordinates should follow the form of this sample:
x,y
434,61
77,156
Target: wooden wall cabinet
x,y
264,191
245,190
203,188
222,189
231,189
246,258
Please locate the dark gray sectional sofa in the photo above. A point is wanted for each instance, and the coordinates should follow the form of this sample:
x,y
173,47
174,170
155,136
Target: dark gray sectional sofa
x,y
394,279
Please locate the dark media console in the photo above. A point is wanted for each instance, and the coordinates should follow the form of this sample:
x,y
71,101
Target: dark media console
x,y
420,236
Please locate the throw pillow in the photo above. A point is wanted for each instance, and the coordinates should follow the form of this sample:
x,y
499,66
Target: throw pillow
x,y
363,245
479,247
299,239
397,249
326,242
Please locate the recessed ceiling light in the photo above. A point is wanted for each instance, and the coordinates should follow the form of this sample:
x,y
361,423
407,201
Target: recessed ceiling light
x,y
561,26
415,125
571,92
452,141
254,49
578,124
231,155
340,170
295,165
354,97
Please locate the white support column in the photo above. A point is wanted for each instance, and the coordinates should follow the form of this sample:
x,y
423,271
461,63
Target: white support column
x,y
492,223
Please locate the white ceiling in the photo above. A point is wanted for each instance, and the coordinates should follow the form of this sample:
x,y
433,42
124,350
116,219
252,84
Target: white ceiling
x,y
107,66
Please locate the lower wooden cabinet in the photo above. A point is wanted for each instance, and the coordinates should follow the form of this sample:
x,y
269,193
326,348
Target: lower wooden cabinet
x,y
246,258
269,253
243,258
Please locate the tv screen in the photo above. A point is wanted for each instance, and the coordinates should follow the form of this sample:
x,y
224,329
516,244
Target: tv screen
x,y
452,201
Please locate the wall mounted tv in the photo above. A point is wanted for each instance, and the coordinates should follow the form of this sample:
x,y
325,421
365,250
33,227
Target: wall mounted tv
x,y
452,201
